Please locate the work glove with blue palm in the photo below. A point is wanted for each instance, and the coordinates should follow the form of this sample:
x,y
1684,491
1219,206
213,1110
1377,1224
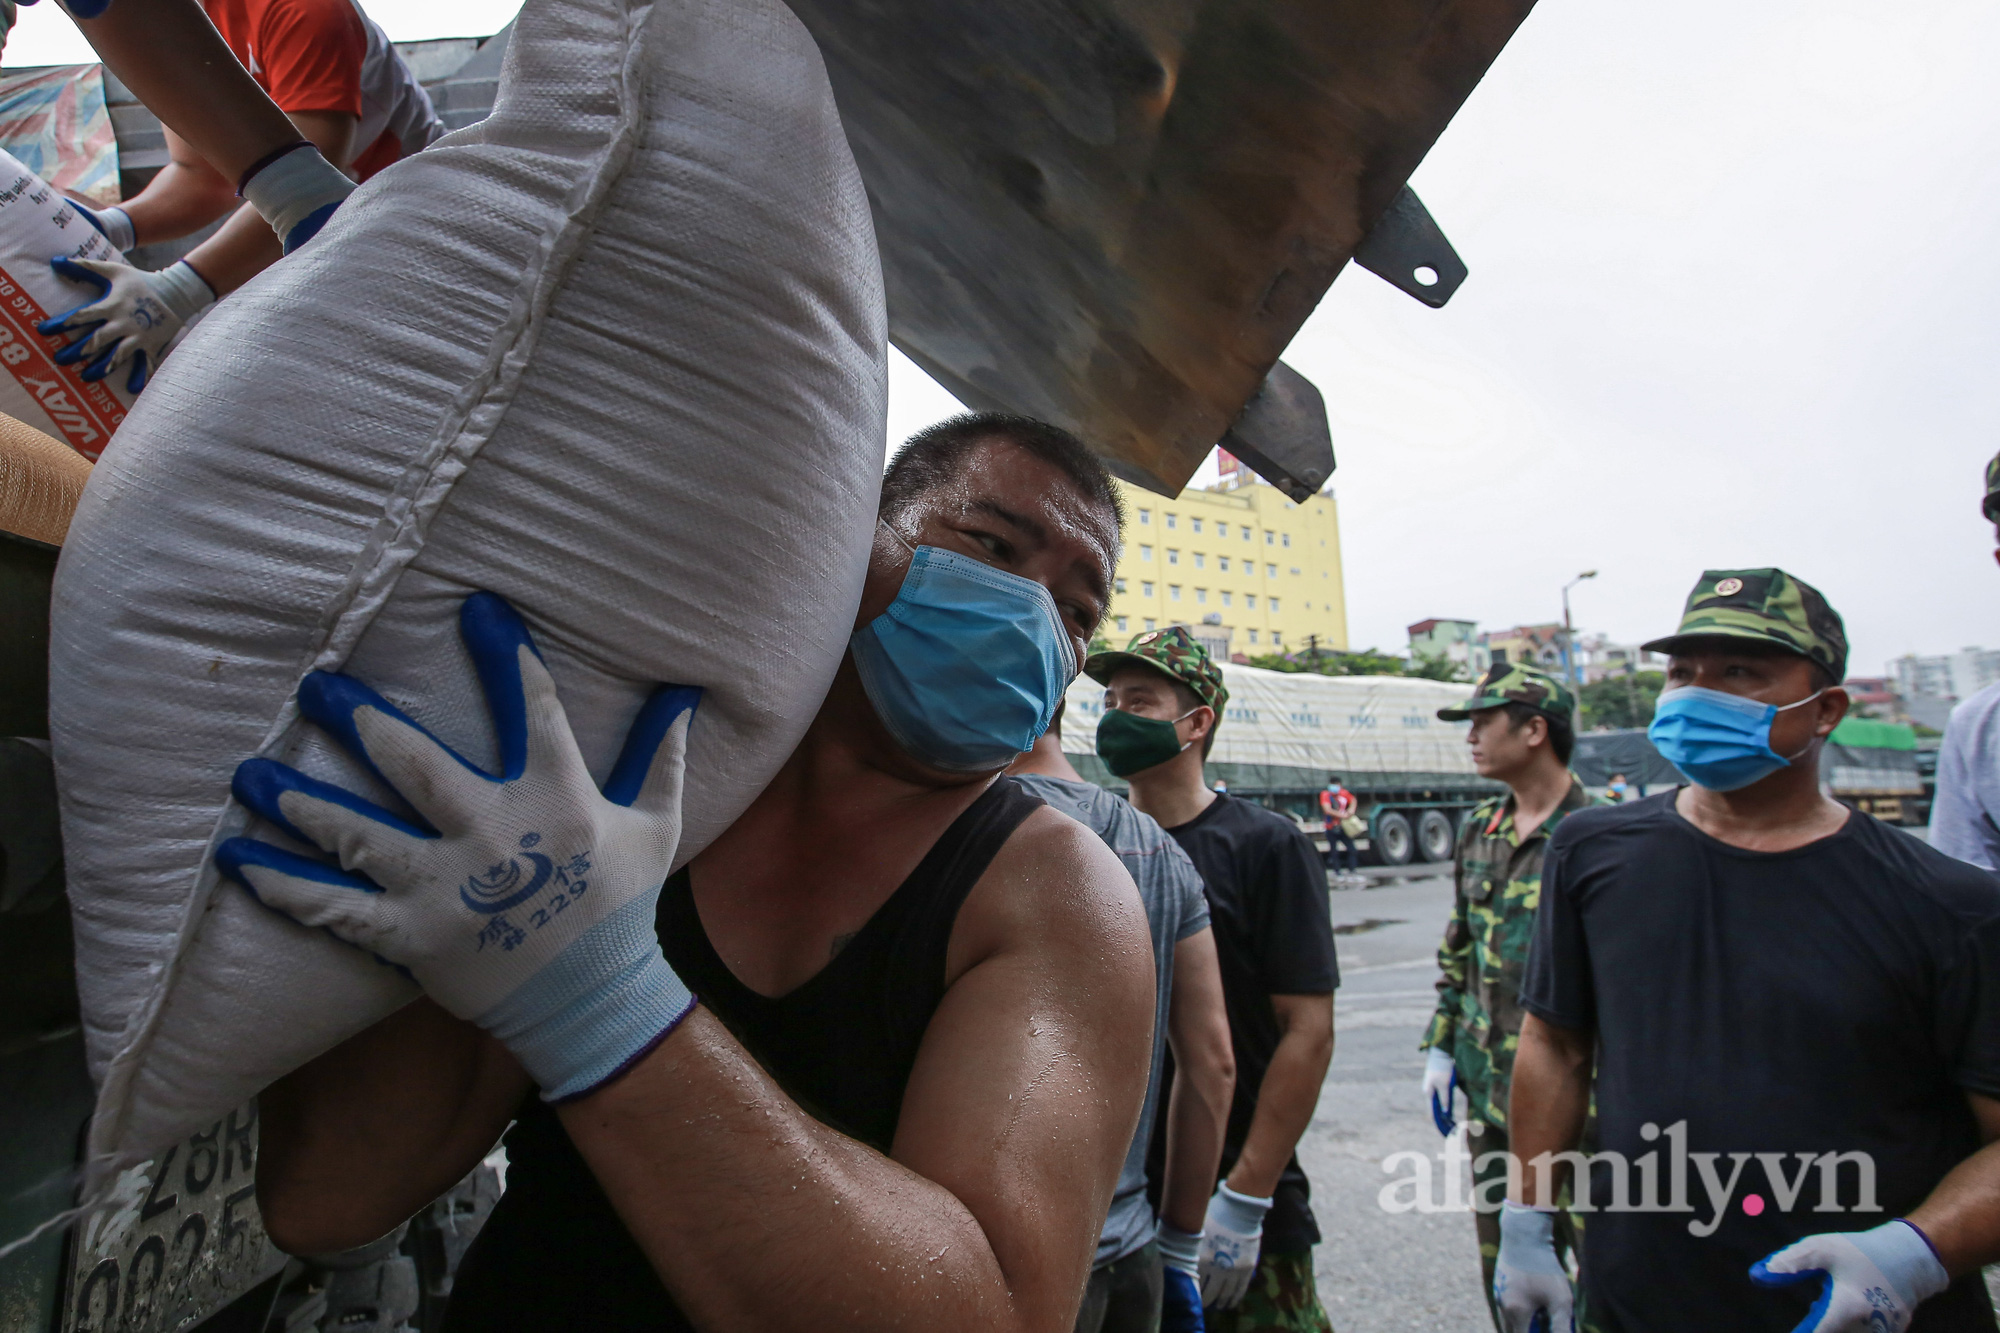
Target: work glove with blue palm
x,y
113,223
1180,1294
1530,1285
1232,1237
524,900
1440,1086
1871,1281
133,317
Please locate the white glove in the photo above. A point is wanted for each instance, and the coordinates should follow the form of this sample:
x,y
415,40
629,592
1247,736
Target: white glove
x,y
1529,1281
1440,1078
1874,1280
113,223
133,318
529,910
296,190
1231,1238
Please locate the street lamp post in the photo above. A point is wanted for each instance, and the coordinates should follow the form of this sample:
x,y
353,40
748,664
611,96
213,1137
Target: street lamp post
x,y
1569,634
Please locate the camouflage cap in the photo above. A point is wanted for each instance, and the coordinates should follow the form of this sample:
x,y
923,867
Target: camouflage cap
x,y
1990,506
1172,650
1515,683
1767,605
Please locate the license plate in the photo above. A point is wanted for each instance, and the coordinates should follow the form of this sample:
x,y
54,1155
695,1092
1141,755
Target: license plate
x,y
178,1238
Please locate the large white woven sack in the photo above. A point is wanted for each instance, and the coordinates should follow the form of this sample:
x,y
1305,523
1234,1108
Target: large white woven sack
x,y
616,353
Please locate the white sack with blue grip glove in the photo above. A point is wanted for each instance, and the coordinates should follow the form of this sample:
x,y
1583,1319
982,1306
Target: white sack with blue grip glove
x,y
614,354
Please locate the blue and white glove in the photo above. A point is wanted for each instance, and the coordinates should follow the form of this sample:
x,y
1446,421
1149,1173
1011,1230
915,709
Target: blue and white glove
x,y
296,190
1440,1082
114,224
1231,1237
1874,1280
1530,1284
1180,1295
527,904
132,319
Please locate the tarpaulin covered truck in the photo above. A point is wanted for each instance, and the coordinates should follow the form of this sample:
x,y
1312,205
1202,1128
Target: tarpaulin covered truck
x,y
1284,734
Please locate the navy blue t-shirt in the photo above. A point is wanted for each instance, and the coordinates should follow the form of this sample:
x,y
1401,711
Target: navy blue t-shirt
x,y
1838,998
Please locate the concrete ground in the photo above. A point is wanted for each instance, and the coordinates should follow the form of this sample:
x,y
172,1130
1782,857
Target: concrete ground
x,y
1380,1271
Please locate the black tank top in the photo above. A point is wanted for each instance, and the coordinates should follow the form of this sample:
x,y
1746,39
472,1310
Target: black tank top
x,y
554,1254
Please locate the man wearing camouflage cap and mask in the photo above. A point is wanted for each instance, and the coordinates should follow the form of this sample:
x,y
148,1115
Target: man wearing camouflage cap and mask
x,y
1267,900
1522,733
1965,818
1792,998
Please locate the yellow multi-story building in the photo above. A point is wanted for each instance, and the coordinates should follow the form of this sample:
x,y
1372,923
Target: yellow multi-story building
x,y
1247,570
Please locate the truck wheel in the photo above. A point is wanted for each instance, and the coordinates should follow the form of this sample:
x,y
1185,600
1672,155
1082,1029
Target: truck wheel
x,y
1435,836
1394,840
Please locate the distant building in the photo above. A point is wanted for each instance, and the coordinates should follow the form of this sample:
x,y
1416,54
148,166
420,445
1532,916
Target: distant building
x,y
1536,645
1950,676
1246,569
1599,658
1875,696
1445,641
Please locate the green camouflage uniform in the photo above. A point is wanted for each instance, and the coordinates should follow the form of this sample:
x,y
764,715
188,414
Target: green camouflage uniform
x,y
1172,651
1990,506
1485,951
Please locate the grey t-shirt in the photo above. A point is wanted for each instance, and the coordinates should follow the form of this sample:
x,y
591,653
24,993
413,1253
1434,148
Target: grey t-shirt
x,y
1175,909
1963,817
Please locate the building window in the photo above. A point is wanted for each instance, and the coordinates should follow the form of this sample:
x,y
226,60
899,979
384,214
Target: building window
x,y
1149,624
1222,562
1173,556
1173,520
1274,604
1121,624
1199,559
1271,571
1250,600
1277,639
1499,657
1145,553
1145,516
1197,524
1201,595
1222,529
1225,599
1173,592
1253,636
1120,585
1288,539
1145,590
1270,539
1246,532
1295,571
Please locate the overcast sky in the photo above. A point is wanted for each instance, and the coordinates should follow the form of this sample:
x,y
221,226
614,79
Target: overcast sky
x,y
1732,303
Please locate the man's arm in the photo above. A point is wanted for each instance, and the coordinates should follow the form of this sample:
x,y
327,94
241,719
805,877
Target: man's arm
x,y
1289,1093
1962,1215
1550,1099
186,196
1016,1119
364,1136
1454,963
1204,1079
246,245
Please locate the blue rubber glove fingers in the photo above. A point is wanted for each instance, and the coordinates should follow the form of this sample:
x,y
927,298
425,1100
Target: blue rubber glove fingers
x,y
1870,1280
311,892
1530,1285
1180,1304
261,785
1441,1110
133,315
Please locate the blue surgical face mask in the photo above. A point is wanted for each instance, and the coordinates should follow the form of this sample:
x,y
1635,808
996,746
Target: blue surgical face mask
x,y
1717,740
967,665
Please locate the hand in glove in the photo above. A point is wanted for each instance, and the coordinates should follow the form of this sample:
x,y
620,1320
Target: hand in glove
x,y
1530,1284
526,905
135,315
1874,1280
296,190
1440,1082
1231,1239
113,223
1180,1296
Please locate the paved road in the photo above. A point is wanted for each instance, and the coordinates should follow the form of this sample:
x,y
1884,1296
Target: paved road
x,y
1380,1271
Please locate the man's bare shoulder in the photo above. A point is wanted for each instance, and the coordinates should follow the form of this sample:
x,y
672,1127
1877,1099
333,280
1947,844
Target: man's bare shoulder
x,y
1052,890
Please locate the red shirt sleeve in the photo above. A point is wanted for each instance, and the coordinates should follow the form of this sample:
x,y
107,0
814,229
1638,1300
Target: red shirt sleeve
x,y
308,54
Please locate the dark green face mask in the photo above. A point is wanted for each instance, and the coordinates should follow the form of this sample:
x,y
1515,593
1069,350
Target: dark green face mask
x,y
1128,743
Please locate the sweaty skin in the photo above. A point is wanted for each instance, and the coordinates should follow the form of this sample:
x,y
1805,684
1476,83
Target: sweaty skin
x,y
985,1214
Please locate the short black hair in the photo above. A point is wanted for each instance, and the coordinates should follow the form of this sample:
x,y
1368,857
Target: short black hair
x,y
932,457
1562,735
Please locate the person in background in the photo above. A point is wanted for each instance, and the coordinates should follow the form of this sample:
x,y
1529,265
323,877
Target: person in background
x,y
1968,762
1755,975
1267,903
1221,788
1336,806
1137,1279
1617,789
329,68
1522,734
